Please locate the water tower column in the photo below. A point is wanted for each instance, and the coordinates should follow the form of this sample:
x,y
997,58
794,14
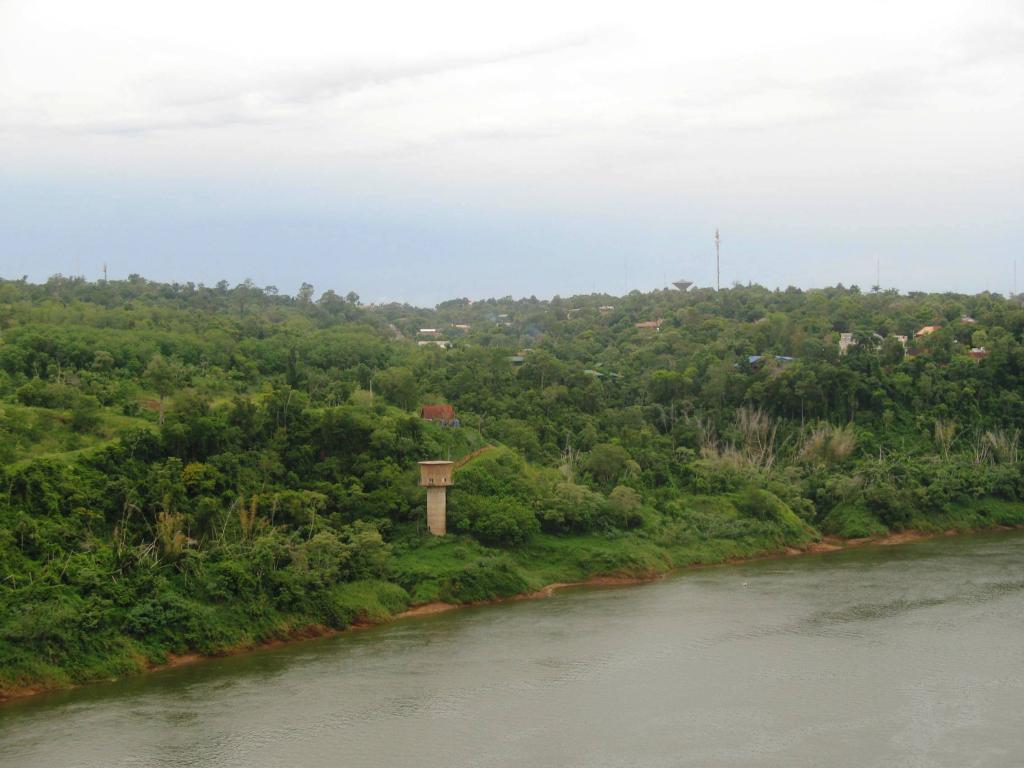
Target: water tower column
x,y
436,510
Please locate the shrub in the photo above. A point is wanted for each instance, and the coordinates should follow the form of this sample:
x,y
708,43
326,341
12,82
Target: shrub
x,y
761,504
607,463
720,475
853,521
498,472
44,394
624,508
498,521
366,555
571,508
168,619
85,414
361,601
893,507
483,580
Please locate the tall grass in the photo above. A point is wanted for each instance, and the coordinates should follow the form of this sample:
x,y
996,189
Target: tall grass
x,y
827,444
943,435
997,446
757,444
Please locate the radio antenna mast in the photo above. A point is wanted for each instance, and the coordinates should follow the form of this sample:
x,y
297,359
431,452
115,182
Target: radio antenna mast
x,y
718,263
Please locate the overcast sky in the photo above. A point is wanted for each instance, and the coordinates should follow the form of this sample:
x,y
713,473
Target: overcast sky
x,y
423,150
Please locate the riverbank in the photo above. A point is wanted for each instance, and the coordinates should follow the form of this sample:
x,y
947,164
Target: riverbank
x,y
856,646
824,545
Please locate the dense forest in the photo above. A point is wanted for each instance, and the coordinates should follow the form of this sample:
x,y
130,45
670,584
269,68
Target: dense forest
x,y
195,469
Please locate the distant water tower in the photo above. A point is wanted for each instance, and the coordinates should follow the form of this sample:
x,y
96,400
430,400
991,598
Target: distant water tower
x,y
436,476
682,285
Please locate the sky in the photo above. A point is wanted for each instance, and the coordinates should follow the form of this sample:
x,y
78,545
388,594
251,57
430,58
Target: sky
x,y
416,152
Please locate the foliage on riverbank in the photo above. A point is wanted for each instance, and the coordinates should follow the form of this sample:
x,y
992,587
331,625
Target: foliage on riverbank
x,y
192,469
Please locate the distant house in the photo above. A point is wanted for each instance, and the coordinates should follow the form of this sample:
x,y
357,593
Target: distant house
x,y
968,320
649,325
443,414
928,330
978,353
429,332
434,343
902,340
845,342
516,359
608,308
756,361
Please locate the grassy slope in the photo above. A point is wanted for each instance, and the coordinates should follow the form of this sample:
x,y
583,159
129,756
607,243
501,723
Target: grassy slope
x,y
43,433
851,521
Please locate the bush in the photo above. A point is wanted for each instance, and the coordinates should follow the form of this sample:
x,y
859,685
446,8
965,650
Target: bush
x,y
853,521
607,463
366,555
498,521
362,601
893,507
716,475
761,504
85,414
623,509
44,394
483,580
498,472
170,620
571,508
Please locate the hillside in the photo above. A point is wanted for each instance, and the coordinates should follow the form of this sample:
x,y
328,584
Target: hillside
x,y
195,469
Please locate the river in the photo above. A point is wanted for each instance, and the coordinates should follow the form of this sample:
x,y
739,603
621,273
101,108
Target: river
x,y
910,655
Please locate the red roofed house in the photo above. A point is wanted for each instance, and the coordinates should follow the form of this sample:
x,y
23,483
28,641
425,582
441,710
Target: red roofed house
x,y
928,330
444,414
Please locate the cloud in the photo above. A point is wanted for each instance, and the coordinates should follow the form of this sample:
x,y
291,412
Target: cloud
x,y
175,104
987,42
309,88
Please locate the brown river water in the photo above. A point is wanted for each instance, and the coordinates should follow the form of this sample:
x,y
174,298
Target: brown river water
x,y
910,655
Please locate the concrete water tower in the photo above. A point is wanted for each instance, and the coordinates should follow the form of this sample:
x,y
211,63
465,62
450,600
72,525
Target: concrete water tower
x,y
436,476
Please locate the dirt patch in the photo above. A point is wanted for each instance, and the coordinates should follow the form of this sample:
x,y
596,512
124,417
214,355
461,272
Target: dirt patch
x,y
177,661
904,537
28,690
596,581
428,609
823,546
